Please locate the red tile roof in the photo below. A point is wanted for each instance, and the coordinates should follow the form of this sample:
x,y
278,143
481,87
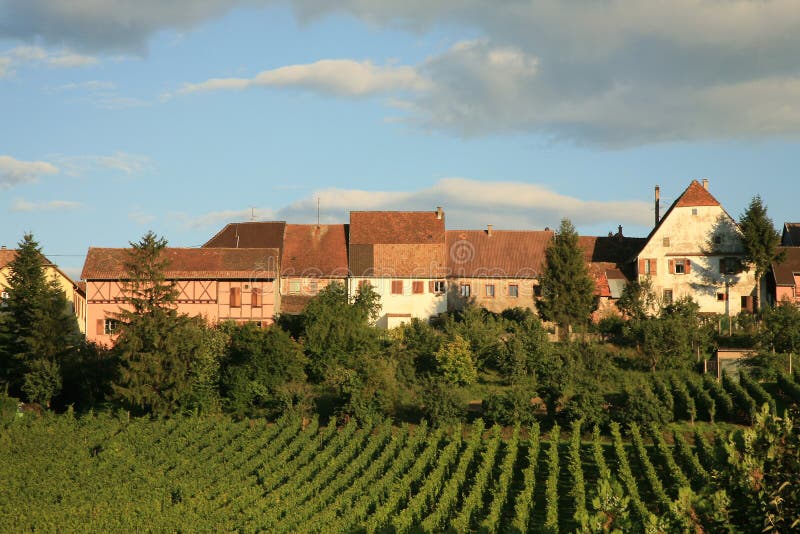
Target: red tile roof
x,y
8,255
696,195
396,227
784,271
504,254
188,263
263,234
310,250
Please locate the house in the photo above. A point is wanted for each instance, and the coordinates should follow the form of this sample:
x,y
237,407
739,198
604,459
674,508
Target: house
x,y
791,235
783,280
696,250
495,269
611,266
314,255
401,254
218,284
72,290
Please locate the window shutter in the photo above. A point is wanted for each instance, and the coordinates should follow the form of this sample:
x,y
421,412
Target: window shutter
x,y
255,299
653,264
101,327
688,268
722,265
641,266
671,266
431,287
236,297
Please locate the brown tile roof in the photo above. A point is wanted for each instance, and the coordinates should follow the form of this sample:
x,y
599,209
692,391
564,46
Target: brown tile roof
x,y
396,227
265,234
615,250
504,254
791,235
188,263
311,250
8,255
784,271
696,195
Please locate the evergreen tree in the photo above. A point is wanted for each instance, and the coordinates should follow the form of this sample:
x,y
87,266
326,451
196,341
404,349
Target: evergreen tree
x,y
567,289
39,329
158,349
760,239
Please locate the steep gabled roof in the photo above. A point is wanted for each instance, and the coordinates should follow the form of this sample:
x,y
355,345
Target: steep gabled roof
x,y
784,271
8,255
263,234
791,235
609,261
188,263
396,227
315,250
503,254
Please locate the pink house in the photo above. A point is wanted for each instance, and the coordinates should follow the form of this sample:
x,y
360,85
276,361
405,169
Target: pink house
x,y
784,282
215,283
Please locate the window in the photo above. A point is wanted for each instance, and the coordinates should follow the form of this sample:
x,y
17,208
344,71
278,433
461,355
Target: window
x,y
665,242
490,290
3,299
236,297
747,303
465,290
255,298
667,296
513,290
294,286
259,324
729,265
313,287
717,239
363,284
397,287
694,211
680,266
417,287
722,297
647,266
537,290
110,327
437,286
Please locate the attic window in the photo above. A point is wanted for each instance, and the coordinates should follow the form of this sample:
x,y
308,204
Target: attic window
x,y
694,211
717,239
665,242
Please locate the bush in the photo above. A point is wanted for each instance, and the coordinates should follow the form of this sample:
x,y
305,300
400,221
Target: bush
x,y
588,405
509,408
638,404
443,404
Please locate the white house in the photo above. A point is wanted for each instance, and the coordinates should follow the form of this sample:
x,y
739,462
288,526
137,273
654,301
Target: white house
x,y
696,250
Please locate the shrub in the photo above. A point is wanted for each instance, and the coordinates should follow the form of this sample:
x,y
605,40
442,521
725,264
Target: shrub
x,y
443,404
509,408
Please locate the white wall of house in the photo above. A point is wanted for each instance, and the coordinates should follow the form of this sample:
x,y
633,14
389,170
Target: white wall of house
x,y
398,308
698,238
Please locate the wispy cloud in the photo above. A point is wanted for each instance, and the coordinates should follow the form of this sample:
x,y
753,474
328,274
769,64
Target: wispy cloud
x,y
47,205
16,172
138,216
468,204
120,162
36,55
339,77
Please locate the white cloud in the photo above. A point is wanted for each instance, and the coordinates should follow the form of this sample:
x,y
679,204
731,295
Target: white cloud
x,y
89,85
15,172
340,77
5,65
121,162
217,218
56,59
467,204
140,217
47,205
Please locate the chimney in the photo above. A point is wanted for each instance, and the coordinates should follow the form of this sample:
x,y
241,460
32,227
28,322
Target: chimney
x,y
705,183
658,201
439,213
489,230
620,231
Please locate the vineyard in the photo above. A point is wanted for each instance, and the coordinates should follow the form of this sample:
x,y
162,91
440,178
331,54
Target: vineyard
x,y
113,473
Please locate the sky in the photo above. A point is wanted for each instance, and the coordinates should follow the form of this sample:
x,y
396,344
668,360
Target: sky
x,y
123,116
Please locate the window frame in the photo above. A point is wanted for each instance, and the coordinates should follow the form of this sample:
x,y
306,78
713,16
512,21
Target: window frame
x,y
110,326
667,296
489,291
439,287
465,290
513,291
397,287
417,287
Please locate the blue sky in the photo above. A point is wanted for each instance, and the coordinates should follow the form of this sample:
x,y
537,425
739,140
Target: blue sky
x,y
121,116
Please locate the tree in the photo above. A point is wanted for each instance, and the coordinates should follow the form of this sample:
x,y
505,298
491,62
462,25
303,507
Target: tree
x,y
781,331
39,330
637,298
454,361
159,351
760,239
567,289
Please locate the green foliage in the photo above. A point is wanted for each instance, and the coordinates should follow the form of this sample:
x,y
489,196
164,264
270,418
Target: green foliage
x,y
781,328
443,404
638,404
454,362
637,299
568,297
481,329
417,344
38,329
336,330
759,237
588,405
88,375
510,407
366,391
258,367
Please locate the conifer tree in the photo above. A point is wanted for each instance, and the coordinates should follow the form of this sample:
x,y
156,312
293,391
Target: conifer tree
x,y
760,238
39,328
567,289
156,347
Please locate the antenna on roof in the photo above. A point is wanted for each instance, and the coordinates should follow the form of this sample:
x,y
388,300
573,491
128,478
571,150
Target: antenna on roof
x,y
317,210
252,214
